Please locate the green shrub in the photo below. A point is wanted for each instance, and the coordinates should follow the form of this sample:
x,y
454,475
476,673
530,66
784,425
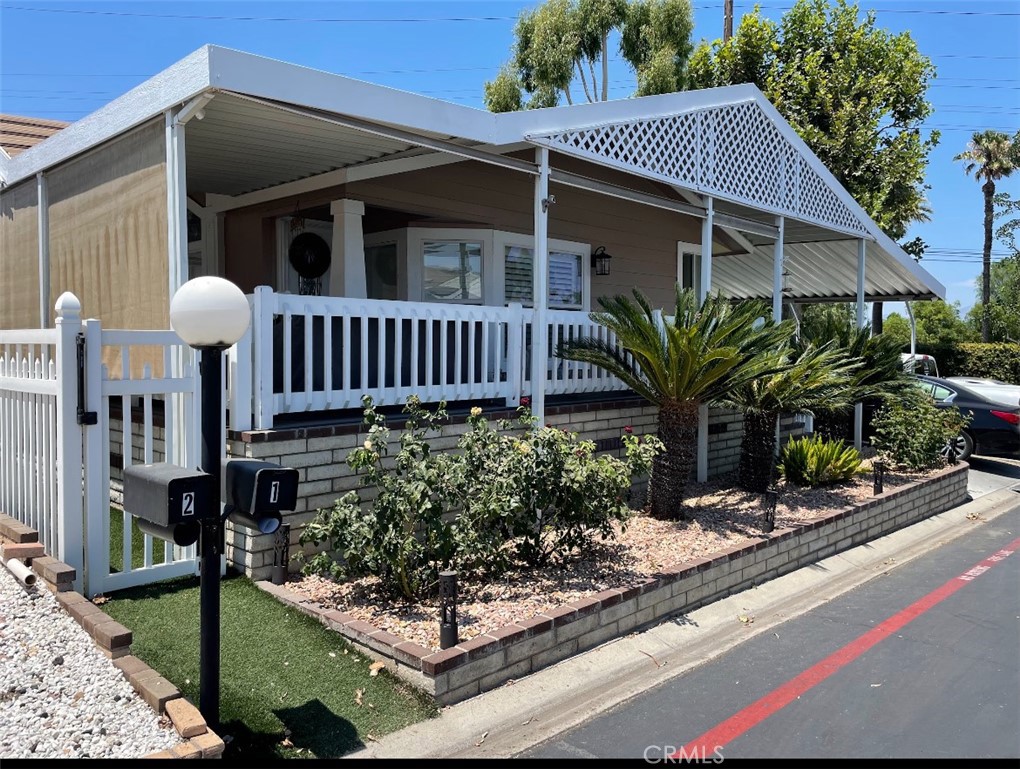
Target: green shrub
x,y
913,432
504,497
995,360
815,461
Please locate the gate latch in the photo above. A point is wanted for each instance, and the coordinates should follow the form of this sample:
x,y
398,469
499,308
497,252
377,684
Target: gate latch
x,y
84,417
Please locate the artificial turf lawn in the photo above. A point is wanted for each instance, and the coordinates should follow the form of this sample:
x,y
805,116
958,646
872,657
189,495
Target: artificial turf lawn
x,y
283,676
137,543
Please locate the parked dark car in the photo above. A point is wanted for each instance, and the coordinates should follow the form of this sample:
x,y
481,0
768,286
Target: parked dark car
x,y
994,428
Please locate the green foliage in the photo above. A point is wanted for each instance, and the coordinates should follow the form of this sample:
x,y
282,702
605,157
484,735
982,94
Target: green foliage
x,y
912,431
1004,302
501,499
854,92
937,322
804,380
1007,206
697,357
997,360
562,46
814,461
539,494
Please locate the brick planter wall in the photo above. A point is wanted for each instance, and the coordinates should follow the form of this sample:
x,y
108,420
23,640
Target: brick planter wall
x,y
513,651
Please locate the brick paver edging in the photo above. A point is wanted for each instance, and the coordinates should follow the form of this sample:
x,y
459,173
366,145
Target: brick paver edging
x,y
114,640
516,650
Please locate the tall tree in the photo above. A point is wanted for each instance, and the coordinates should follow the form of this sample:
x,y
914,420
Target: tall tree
x,y
854,92
1007,208
562,49
1004,301
990,156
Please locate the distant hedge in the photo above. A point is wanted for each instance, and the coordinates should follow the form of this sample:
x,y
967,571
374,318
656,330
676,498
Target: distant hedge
x,y
996,360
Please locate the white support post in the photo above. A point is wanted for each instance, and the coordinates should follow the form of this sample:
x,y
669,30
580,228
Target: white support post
x,y
514,353
97,493
177,251
69,525
43,209
348,275
913,336
540,286
859,407
263,401
704,289
777,271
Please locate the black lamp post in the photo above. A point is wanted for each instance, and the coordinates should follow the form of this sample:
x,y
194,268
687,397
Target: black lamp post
x,y
210,314
878,467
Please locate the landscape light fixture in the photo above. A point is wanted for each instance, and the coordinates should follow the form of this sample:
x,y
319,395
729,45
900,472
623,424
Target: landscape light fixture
x,y
447,609
769,500
600,260
879,468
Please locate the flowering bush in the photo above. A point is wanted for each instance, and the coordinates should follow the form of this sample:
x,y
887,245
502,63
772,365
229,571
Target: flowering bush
x,y
913,432
504,497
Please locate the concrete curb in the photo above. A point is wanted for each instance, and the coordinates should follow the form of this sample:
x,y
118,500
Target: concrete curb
x,y
532,710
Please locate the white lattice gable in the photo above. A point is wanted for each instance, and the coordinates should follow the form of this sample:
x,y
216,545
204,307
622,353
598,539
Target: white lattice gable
x,y
733,152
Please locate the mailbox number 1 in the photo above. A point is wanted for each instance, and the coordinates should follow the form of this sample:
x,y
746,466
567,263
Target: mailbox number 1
x,y
188,503
274,492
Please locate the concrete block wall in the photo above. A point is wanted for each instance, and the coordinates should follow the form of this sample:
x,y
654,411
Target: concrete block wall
x,y
510,652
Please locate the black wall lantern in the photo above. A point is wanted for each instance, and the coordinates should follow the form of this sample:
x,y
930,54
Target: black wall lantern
x,y
600,260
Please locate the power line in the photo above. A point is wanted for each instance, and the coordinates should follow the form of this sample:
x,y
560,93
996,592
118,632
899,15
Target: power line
x,y
418,20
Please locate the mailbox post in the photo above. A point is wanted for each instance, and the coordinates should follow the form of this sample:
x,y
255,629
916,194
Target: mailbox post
x,y
210,314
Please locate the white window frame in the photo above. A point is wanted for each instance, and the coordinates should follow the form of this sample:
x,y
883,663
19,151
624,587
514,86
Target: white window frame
x,y
416,238
503,239
695,250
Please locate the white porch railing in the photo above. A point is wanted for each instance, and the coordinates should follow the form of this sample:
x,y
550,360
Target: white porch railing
x,y
317,353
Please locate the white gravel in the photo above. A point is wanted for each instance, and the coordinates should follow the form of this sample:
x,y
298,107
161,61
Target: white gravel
x,y
59,696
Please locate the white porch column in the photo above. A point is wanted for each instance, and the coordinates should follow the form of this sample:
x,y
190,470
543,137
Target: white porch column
x,y
43,210
347,277
859,407
778,263
540,288
704,289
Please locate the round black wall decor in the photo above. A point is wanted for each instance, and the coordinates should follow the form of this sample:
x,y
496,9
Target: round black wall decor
x,y
309,255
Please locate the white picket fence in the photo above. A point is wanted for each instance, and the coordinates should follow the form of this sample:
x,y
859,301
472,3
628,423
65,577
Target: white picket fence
x,y
55,469
318,353
32,445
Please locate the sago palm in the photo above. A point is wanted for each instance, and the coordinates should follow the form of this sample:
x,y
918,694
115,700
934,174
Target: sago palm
x,y
990,156
806,380
879,376
694,358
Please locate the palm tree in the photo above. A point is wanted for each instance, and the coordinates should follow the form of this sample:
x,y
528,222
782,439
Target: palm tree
x,y
678,364
879,376
814,376
990,156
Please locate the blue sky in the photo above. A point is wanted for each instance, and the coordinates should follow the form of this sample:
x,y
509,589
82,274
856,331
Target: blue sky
x,y
65,59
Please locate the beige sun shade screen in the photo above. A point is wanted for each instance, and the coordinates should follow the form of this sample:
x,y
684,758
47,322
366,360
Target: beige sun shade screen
x,y
108,237
19,256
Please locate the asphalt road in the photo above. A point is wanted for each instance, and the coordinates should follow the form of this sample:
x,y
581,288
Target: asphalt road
x,y
917,663
989,474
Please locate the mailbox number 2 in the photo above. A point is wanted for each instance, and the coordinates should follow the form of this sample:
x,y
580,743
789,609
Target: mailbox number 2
x,y
274,492
188,503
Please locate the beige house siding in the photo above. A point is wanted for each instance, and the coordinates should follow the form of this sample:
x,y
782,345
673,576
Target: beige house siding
x,y
19,256
641,239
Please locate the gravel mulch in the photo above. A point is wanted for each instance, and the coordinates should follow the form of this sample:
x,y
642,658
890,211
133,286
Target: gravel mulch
x,y
719,516
59,696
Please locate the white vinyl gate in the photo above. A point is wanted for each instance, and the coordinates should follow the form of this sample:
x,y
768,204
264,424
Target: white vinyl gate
x,y
59,407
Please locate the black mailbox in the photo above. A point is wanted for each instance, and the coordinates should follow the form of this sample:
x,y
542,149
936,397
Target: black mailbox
x,y
169,501
256,493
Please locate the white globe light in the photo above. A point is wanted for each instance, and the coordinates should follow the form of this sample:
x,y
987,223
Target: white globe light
x,y
209,312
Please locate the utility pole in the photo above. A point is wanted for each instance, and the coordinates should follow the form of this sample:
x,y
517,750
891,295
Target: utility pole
x,y
727,20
